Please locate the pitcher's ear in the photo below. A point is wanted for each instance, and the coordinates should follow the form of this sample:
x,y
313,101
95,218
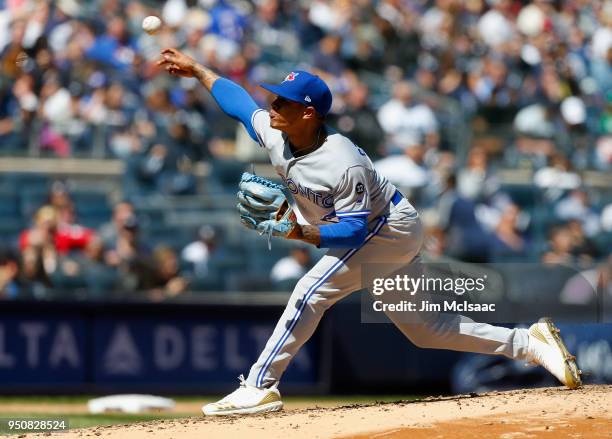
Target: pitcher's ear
x,y
310,113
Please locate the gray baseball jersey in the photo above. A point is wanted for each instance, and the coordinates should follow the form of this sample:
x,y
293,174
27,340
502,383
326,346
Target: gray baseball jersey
x,y
336,180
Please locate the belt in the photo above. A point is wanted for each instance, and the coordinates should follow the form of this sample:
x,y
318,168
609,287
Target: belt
x,y
396,198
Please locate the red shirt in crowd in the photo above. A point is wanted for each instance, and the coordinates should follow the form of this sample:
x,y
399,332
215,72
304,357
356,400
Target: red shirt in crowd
x,y
67,238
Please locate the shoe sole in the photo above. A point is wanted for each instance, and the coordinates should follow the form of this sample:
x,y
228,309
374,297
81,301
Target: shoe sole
x,y
571,368
264,408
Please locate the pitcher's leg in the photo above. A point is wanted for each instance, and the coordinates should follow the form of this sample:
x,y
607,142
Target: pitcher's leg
x,y
438,330
459,333
540,344
326,283
335,276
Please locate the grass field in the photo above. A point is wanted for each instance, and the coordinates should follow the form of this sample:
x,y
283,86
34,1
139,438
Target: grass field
x,y
74,408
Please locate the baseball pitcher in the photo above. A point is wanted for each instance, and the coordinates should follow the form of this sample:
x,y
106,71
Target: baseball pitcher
x,y
352,211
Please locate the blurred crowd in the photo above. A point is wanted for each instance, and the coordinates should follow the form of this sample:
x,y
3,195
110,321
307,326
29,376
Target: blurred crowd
x,y
59,257
442,94
58,252
79,77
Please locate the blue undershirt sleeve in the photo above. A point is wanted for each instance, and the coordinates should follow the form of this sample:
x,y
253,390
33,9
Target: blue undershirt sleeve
x,y
235,102
350,232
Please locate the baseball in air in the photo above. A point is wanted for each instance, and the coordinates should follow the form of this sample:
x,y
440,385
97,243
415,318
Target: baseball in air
x,y
151,24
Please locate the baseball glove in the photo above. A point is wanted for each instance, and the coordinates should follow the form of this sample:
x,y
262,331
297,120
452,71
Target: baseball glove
x,y
264,207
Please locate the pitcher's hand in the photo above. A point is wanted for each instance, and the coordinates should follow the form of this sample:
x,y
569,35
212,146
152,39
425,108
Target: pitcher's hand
x,y
177,63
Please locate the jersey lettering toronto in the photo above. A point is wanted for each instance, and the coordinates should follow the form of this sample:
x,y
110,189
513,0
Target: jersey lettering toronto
x,y
320,199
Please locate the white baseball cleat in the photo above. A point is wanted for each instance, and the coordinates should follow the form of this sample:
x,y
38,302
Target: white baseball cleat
x,y
547,349
246,400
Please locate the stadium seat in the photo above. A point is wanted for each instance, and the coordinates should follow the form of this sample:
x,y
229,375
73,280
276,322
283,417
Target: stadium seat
x,y
212,282
90,200
10,228
18,181
9,204
603,241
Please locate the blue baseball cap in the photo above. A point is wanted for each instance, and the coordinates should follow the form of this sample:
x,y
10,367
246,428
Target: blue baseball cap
x,y
304,88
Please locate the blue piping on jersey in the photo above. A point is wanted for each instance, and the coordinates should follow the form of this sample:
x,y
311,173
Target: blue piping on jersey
x,y
308,295
235,102
349,232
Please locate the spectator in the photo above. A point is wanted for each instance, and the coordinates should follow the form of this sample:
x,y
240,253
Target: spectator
x,y
576,205
17,121
51,234
39,249
162,170
57,112
606,218
582,247
14,49
198,253
327,57
603,152
168,282
358,121
10,284
402,118
291,268
156,164
227,22
467,239
115,47
89,270
271,31
560,247
557,177
59,198
507,242
601,46
109,232
487,56
130,257
407,171
476,180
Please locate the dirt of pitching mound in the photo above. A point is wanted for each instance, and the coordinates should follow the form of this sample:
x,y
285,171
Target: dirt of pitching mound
x,y
548,412
498,427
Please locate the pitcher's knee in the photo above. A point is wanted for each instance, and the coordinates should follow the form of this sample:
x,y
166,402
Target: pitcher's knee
x,y
318,296
418,341
303,292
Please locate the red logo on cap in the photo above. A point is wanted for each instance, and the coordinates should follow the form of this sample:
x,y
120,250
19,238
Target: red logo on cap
x,y
290,77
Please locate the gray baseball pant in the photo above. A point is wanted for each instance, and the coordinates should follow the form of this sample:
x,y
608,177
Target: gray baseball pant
x,y
394,242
